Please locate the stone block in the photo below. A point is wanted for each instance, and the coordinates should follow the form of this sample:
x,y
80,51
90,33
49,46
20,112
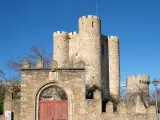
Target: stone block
x,y
40,64
53,65
26,64
109,108
97,95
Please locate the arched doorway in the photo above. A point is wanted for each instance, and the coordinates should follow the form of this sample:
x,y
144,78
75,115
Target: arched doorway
x,y
53,104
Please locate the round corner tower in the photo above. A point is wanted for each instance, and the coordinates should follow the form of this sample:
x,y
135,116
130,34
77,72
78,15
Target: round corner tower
x,y
61,48
114,66
90,47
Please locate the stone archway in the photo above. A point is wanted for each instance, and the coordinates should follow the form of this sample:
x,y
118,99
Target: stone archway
x,y
57,98
53,104
53,93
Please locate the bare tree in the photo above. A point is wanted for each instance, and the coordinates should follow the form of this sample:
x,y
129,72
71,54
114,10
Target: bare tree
x,y
36,53
2,74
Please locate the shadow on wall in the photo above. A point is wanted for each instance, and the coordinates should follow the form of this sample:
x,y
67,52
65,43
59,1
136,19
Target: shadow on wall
x,y
1,108
12,116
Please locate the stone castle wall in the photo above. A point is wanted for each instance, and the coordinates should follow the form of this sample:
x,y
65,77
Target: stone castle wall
x,y
82,58
12,100
72,81
86,46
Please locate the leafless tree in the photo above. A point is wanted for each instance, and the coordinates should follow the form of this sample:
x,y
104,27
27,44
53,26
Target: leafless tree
x,y
123,94
36,53
2,74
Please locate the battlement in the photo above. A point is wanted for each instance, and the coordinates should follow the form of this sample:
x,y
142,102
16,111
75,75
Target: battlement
x,y
90,23
60,33
72,33
143,79
89,17
9,83
113,37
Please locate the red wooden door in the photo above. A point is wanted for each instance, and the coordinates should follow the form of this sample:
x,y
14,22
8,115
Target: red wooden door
x,y
54,110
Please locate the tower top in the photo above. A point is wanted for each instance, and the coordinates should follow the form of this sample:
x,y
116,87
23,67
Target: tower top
x,y
143,79
90,23
89,17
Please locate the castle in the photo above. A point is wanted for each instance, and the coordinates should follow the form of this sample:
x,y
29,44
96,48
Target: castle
x,y
86,58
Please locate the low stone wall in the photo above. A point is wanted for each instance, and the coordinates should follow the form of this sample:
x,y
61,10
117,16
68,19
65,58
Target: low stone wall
x,y
93,107
126,114
123,112
117,116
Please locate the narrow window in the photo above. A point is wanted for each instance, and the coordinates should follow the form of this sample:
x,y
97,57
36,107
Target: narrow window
x,y
102,50
82,25
92,24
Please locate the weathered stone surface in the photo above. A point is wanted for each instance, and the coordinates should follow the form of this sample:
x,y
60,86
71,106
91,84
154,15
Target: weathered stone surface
x,y
26,64
39,64
84,58
138,85
114,66
67,78
53,65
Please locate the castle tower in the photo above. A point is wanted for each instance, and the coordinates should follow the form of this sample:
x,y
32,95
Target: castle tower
x,y
90,24
61,48
90,50
100,53
114,66
138,85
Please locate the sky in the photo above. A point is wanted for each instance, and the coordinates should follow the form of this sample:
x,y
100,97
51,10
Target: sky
x,y
24,23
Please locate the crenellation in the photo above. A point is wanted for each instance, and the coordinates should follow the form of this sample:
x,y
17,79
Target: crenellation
x,y
83,17
81,58
138,78
114,37
26,64
89,17
97,95
60,33
109,108
39,64
96,17
72,33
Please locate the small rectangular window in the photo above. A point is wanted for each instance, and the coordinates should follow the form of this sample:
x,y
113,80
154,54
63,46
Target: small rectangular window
x,y
102,50
82,25
92,24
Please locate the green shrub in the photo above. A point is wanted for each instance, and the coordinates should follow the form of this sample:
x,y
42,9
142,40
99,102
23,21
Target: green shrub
x,y
106,96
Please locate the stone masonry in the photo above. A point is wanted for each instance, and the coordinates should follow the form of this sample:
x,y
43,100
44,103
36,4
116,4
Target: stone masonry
x,y
81,59
99,53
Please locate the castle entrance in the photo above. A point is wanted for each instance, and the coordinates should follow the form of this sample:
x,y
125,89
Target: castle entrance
x,y
53,104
